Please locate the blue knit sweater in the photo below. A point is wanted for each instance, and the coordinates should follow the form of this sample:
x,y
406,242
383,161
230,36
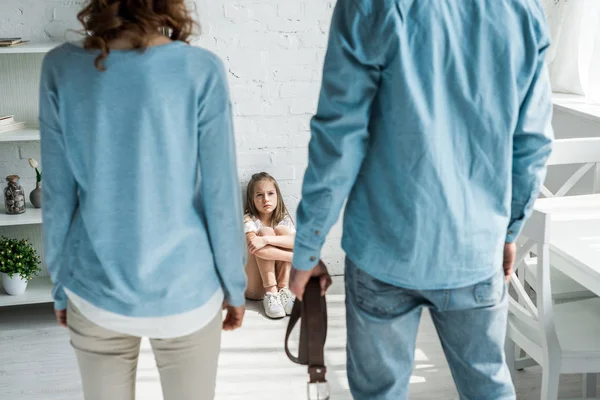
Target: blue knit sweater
x,y
141,200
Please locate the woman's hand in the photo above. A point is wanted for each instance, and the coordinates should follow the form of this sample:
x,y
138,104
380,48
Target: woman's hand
x,y
233,319
257,243
61,317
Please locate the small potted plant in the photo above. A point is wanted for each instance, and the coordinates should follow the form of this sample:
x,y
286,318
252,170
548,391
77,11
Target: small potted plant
x,y
19,263
36,194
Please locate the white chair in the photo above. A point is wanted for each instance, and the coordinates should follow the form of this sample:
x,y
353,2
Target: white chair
x,y
564,289
561,338
584,151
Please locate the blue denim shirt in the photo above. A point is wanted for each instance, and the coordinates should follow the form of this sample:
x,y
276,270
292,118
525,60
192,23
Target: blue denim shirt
x,y
434,124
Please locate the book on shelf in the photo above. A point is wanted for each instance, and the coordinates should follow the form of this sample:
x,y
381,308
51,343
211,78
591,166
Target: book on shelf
x,y
8,124
12,42
9,119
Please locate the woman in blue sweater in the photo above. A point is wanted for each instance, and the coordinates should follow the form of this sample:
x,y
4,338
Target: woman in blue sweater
x,y
142,207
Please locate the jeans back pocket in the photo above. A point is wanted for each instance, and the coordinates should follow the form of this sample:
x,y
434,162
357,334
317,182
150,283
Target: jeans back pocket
x,y
490,291
376,297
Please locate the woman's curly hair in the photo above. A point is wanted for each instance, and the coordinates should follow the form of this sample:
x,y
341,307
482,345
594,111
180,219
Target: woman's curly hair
x,y
135,20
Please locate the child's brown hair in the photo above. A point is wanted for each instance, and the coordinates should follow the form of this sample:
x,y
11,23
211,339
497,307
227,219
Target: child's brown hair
x,y
280,211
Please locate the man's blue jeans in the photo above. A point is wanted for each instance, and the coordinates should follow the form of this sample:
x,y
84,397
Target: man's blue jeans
x,y
382,328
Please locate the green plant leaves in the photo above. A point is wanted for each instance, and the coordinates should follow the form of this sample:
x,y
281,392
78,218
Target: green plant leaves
x,y
17,256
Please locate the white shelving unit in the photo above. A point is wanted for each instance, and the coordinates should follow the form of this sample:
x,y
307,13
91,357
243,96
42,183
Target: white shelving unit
x,y
21,135
32,216
29,48
39,290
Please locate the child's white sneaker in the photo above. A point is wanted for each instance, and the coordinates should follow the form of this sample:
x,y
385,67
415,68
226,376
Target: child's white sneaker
x,y
273,307
287,300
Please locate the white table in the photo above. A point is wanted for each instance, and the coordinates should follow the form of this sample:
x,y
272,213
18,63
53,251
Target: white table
x,y
575,237
577,106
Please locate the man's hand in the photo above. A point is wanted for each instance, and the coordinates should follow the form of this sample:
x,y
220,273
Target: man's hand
x,y
299,279
234,317
256,243
510,253
61,317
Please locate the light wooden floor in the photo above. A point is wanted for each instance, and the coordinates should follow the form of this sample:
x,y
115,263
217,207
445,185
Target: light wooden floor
x,y
36,362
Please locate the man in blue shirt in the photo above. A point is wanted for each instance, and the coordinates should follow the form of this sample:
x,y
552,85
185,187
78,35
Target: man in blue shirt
x,y
434,124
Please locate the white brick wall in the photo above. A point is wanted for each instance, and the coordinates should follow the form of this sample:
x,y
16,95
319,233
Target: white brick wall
x,y
273,50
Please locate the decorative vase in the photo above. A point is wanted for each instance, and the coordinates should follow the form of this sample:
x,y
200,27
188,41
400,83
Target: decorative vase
x,y
36,195
14,286
14,196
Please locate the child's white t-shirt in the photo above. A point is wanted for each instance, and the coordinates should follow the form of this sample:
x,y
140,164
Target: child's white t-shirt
x,y
252,224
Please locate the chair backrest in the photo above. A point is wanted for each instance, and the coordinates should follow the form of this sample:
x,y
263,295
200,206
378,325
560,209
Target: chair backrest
x,y
538,316
584,151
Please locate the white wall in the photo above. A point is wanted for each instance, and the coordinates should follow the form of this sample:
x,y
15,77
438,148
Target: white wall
x,y
273,50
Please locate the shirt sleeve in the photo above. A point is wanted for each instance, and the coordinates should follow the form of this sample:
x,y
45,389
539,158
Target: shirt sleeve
x,y
288,223
59,190
532,143
250,225
339,130
220,187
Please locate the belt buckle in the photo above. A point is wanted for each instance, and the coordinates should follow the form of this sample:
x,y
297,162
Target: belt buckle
x,y
318,391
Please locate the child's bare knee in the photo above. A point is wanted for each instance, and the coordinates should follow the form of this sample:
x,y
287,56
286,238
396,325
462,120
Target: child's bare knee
x,y
266,232
282,230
